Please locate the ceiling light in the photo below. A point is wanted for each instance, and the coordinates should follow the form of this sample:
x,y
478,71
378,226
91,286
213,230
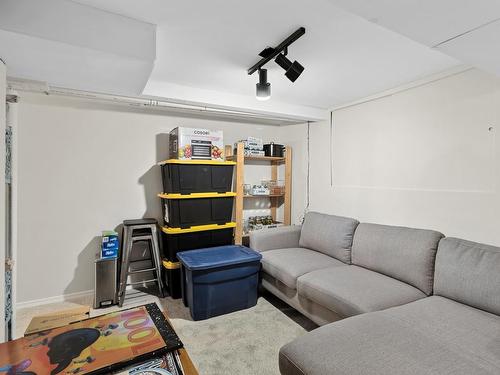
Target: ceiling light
x,y
263,87
293,69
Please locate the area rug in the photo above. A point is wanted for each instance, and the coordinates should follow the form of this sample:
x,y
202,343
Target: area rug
x,y
244,342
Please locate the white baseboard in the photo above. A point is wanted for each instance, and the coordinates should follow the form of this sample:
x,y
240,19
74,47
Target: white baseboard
x,y
79,297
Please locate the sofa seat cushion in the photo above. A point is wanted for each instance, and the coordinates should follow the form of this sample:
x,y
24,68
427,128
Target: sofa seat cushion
x,y
433,335
287,265
353,290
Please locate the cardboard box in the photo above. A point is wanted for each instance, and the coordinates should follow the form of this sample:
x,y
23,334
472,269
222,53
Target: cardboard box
x,y
57,319
110,244
252,143
196,144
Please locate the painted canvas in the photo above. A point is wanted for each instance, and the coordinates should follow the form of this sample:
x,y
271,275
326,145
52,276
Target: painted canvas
x,y
92,346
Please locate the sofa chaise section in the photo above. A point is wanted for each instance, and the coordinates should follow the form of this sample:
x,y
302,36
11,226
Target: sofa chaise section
x,y
455,331
433,335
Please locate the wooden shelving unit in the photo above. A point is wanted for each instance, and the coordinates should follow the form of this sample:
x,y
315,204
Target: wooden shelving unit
x,y
274,162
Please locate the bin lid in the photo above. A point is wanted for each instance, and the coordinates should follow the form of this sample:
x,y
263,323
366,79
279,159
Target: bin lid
x,y
215,257
171,265
198,228
196,195
197,162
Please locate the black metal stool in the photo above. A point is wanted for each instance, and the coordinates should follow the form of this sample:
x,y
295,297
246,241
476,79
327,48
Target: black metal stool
x,y
134,231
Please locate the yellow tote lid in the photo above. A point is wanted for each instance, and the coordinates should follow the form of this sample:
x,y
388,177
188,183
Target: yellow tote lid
x,y
171,265
196,195
202,162
198,228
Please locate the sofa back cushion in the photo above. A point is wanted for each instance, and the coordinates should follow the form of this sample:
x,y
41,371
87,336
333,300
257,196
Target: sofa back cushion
x,y
405,254
468,272
328,234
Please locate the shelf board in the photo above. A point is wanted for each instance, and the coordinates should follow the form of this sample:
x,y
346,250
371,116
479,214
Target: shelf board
x,y
258,158
248,234
264,196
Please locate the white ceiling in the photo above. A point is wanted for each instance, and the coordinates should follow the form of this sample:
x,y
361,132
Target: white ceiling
x,y
428,21
479,48
65,65
85,49
203,48
468,30
210,44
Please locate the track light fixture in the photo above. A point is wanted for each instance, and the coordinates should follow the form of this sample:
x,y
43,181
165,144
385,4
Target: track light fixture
x,y
263,87
292,69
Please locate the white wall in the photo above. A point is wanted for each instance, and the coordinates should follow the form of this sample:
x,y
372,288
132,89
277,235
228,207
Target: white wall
x,y
425,157
85,167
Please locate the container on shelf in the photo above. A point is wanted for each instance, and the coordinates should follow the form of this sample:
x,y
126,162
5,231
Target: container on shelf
x,y
259,190
252,146
247,189
273,149
184,211
196,176
110,244
219,280
172,278
260,222
175,240
276,187
251,143
191,143
254,153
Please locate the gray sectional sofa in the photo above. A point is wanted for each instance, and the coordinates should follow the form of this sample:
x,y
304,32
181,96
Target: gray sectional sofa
x,y
416,303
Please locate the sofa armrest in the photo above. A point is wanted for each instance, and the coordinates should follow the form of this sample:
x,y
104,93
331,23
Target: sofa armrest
x,y
275,238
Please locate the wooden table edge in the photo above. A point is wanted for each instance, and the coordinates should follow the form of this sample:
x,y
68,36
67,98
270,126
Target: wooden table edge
x,y
187,364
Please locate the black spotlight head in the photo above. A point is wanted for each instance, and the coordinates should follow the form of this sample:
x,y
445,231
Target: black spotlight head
x,y
293,70
263,87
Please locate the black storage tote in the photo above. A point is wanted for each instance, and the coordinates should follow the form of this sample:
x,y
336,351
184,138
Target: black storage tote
x,y
196,176
173,278
174,240
185,211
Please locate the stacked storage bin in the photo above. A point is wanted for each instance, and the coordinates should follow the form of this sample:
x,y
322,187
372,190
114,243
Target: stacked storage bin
x,y
197,206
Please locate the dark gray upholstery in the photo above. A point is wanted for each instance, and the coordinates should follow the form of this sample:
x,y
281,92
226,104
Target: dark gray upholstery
x,y
286,265
352,290
432,336
328,234
406,254
469,272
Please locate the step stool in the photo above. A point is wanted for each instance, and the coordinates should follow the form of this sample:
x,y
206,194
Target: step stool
x,y
134,231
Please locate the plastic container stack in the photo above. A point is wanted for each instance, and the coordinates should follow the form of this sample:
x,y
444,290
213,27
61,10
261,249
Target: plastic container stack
x,y
197,205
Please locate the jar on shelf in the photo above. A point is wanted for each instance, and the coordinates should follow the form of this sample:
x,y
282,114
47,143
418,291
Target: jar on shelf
x,y
276,187
247,189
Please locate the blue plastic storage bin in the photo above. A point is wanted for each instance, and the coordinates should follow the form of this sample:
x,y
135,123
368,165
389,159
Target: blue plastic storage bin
x,y
219,280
